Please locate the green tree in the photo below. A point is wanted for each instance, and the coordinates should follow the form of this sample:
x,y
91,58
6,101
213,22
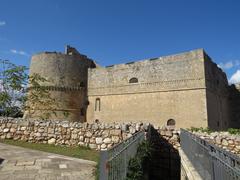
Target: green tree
x,y
15,97
13,81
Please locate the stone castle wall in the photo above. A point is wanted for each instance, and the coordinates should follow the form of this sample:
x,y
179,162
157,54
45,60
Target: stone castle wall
x,y
187,87
67,81
234,106
171,87
217,96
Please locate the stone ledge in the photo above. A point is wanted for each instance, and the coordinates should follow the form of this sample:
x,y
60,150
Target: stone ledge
x,y
191,172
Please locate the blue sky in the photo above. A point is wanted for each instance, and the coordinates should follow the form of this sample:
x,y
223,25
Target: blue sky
x,y
112,32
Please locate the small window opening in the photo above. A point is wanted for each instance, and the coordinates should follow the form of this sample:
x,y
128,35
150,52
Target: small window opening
x,y
82,112
97,104
82,84
133,80
171,122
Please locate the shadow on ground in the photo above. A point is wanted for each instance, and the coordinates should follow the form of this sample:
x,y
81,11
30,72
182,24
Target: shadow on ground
x,y
165,162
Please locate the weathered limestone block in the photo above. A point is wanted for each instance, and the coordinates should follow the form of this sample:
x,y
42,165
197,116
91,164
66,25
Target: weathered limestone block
x,y
74,136
81,138
88,134
115,139
116,132
107,140
9,125
86,140
23,128
81,143
41,129
51,130
9,136
38,134
224,142
6,130
99,140
92,140
52,141
105,133
132,130
103,146
230,142
168,133
13,130
92,146
218,140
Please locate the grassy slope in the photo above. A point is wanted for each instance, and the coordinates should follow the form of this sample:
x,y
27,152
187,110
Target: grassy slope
x,y
77,152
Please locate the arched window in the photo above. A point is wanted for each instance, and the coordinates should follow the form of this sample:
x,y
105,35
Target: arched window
x,y
97,104
133,80
171,122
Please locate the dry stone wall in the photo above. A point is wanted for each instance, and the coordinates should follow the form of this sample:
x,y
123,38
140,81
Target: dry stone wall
x,y
223,140
171,136
96,136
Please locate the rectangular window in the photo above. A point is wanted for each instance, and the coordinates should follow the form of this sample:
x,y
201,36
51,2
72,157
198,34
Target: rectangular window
x,y
97,104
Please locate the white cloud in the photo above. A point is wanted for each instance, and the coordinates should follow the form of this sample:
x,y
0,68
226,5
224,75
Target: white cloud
x,y
23,53
2,23
235,78
229,64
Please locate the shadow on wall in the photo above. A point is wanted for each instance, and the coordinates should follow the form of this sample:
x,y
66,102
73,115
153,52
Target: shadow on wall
x,y
234,100
165,161
1,161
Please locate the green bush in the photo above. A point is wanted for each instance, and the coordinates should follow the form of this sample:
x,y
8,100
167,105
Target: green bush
x,y
138,165
234,131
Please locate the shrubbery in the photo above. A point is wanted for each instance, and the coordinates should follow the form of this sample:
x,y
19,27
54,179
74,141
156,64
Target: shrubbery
x,y
234,131
207,130
138,165
201,129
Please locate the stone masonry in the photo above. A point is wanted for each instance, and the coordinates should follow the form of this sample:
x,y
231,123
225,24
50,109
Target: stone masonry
x,y
186,87
223,140
96,136
99,136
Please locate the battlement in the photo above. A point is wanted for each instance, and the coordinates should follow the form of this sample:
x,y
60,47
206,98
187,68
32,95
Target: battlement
x,y
69,51
185,56
167,72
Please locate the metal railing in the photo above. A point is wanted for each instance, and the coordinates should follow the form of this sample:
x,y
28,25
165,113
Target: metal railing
x,y
210,161
114,162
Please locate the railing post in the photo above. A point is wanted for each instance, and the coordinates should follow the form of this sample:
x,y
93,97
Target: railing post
x,y
103,166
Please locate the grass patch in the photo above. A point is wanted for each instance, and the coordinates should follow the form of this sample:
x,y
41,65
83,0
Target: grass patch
x,y
75,151
201,129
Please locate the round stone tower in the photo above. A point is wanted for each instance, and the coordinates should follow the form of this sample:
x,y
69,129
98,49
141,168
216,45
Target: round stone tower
x,y
67,77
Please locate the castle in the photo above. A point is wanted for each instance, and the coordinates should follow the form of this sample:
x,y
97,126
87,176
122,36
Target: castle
x,y
186,90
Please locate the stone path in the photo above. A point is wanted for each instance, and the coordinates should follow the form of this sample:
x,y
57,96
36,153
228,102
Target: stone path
x,y
18,163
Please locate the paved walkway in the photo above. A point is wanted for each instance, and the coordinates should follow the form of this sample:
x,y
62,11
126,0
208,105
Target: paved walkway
x,y
18,163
